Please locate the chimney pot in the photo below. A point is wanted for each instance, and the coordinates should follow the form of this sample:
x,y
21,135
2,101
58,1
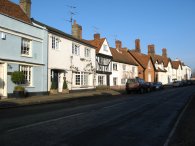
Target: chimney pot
x,y
151,50
26,7
96,36
164,52
137,46
76,30
118,44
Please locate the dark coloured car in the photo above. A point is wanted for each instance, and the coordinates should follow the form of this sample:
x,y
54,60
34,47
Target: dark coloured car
x,y
136,84
158,85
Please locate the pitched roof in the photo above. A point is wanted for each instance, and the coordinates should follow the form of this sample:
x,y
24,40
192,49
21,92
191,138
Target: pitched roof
x,y
97,43
59,32
142,59
122,56
175,64
161,59
13,10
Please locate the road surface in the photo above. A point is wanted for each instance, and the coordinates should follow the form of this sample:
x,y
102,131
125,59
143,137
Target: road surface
x,y
135,120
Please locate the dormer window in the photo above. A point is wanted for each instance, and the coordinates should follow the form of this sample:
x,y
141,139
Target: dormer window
x,y
25,47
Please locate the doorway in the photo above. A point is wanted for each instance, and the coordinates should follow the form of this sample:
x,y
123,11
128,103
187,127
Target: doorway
x,y
2,82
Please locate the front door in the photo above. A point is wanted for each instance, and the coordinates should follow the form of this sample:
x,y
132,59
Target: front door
x,y
2,82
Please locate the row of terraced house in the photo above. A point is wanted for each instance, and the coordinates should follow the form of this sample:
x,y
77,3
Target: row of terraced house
x,y
45,55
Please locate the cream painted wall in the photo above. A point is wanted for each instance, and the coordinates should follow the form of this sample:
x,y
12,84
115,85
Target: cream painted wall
x,y
102,51
63,59
121,74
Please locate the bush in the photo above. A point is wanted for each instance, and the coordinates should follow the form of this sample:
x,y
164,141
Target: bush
x,y
54,85
64,85
18,77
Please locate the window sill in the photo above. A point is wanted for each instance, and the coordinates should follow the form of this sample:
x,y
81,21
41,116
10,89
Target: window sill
x,y
27,56
29,86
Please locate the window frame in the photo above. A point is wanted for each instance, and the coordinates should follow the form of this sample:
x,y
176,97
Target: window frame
x,y
27,71
75,49
26,47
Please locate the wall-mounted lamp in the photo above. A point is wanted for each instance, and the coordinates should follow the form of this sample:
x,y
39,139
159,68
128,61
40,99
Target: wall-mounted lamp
x,y
3,36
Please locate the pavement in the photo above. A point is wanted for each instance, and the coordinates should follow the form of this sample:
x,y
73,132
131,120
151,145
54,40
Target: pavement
x,y
36,100
184,133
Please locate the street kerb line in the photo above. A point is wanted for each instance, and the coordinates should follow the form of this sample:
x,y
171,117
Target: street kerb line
x,y
43,122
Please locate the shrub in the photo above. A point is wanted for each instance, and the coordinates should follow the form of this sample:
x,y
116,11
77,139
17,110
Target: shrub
x,y
54,85
64,85
18,77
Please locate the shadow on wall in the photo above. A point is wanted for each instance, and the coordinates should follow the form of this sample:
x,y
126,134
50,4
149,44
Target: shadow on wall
x,y
2,84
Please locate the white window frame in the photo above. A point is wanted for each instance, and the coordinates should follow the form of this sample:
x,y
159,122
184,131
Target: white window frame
x,y
26,47
27,71
75,49
115,66
123,81
124,67
115,81
55,42
87,52
81,78
100,80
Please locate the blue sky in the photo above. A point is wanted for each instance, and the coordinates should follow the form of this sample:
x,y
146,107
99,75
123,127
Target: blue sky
x,y
165,23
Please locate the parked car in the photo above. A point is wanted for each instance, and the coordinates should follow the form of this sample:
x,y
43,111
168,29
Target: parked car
x,y
177,84
136,84
158,85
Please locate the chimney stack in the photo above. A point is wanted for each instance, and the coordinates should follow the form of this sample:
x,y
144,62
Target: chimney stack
x,y
96,36
137,46
76,30
26,7
164,52
118,44
151,50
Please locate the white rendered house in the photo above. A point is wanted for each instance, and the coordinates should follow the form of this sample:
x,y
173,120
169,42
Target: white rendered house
x,y
70,59
123,66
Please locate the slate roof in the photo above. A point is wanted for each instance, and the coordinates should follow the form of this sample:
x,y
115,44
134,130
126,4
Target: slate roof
x,y
122,56
13,10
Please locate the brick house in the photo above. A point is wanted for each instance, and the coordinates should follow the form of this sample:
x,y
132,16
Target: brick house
x,y
146,68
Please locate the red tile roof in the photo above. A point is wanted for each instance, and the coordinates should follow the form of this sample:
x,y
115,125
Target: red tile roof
x,y
97,43
175,64
13,10
142,59
122,56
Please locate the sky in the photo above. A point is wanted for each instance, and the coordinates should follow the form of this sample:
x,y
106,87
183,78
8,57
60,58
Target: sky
x,y
165,23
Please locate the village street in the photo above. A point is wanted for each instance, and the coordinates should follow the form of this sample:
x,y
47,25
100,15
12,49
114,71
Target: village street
x,y
136,120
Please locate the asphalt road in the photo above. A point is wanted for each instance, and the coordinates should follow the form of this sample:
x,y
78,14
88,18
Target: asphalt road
x,y
135,120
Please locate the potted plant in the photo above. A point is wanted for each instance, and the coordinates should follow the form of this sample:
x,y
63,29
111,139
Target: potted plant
x,y
18,78
65,87
54,87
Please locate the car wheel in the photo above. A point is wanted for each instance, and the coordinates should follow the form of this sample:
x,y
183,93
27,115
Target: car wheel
x,y
141,90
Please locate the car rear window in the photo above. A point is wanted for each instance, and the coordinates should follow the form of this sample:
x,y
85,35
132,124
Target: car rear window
x,y
131,81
